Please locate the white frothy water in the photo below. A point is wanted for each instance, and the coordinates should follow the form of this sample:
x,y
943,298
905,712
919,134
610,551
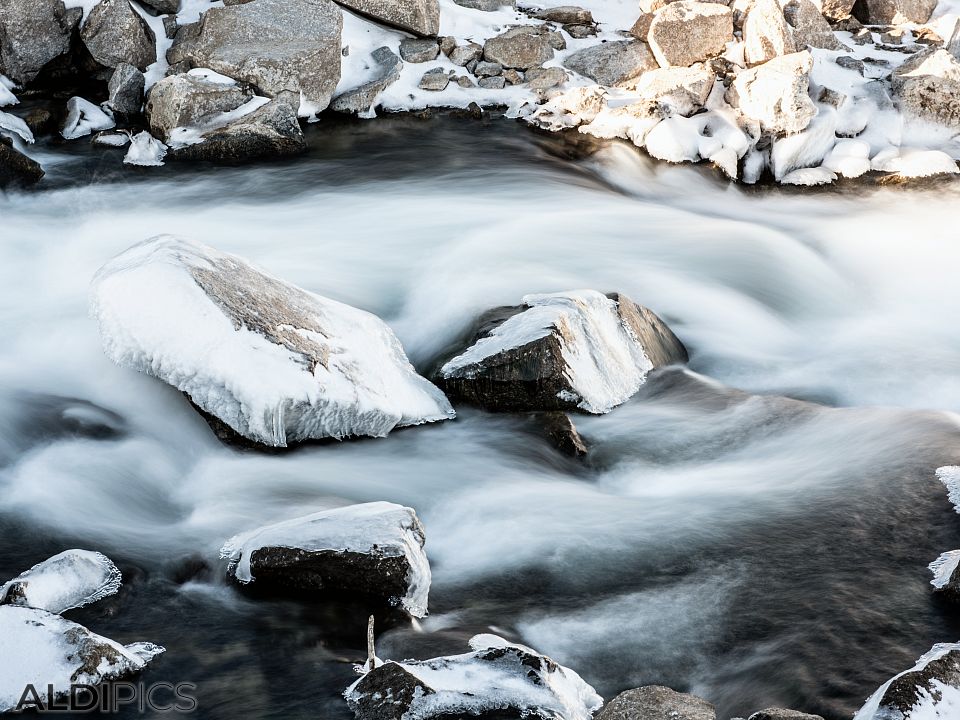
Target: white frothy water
x,y
849,299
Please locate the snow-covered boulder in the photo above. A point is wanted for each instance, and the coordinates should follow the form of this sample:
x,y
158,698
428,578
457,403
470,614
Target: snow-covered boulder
x,y
577,350
496,677
277,46
618,62
84,118
190,99
776,94
373,550
71,579
40,648
655,702
946,577
687,32
928,86
893,12
361,99
115,33
259,128
32,33
275,363
420,17
930,690
679,90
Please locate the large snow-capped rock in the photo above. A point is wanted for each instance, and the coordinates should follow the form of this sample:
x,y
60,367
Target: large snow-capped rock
x,y
374,550
278,46
930,690
71,579
40,648
498,676
273,362
562,351
655,702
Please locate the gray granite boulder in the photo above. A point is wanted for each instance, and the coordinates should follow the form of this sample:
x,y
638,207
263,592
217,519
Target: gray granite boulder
x,y
15,167
612,63
361,99
782,714
686,32
420,17
655,702
893,12
519,48
928,86
921,691
187,100
114,33
419,50
126,91
32,33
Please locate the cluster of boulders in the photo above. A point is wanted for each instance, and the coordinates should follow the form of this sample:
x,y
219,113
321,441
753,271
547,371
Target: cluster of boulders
x,y
803,91
39,649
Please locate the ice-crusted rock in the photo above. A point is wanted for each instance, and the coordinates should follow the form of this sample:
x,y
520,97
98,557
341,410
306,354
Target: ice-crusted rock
x,y
782,714
655,702
145,151
927,691
519,48
190,99
115,33
946,579
361,99
83,118
893,12
32,33
420,17
687,32
71,579
949,475
561,351
569,109
373,550
496,677
40,648
680,90
766,34
612,63
928,86
275,363
776,94
278,46
15,167
126,91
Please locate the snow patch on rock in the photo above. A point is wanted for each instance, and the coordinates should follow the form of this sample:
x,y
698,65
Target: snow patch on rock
x,y
71,579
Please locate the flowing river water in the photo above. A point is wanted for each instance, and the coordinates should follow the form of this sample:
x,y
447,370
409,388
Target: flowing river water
x,y
755,530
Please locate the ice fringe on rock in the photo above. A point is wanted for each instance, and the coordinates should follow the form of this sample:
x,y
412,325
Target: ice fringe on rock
x,y
378,528
949,475
605,362
83,118
145,150
935,701
274,362
72,579
43,649
498,675
943,567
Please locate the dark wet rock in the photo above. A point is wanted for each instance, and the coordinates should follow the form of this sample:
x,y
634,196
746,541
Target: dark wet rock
x,y
187,100
32,33
15,167
361,99
435,80
278,46
126,91
655,702
421,17
612,63
782,714
41,122
269,131
519,48
923,684
186,569
516,358
114,33
562,434
419,50
566,15
394,690
371,550
893,12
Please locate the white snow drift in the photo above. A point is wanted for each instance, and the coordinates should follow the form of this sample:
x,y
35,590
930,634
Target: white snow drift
x,y
276,363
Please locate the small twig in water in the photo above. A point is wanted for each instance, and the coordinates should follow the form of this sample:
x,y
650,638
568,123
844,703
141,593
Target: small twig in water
x,y
371,651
